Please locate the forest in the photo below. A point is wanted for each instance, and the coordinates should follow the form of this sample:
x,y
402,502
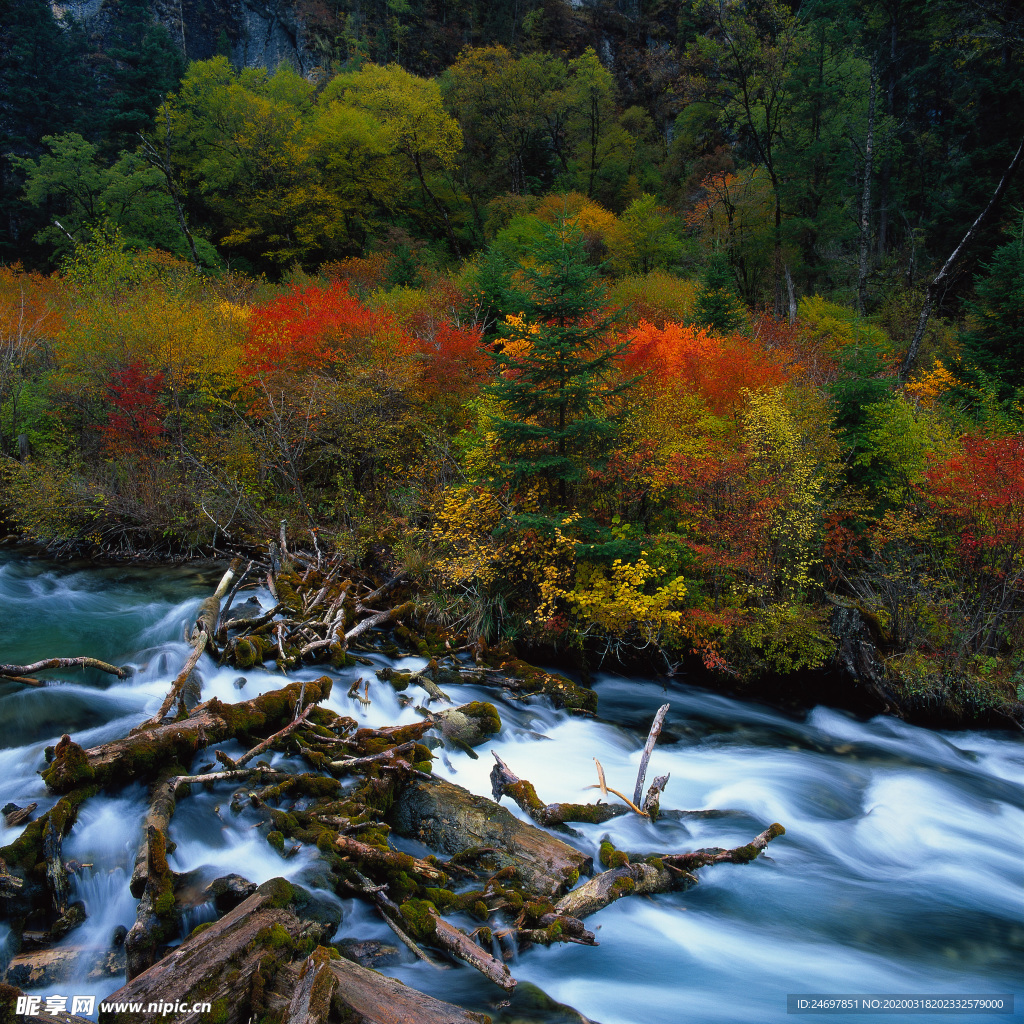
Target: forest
x,y
642,334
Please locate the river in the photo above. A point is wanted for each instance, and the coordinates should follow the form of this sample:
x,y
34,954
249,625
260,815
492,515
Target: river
x,y
901,871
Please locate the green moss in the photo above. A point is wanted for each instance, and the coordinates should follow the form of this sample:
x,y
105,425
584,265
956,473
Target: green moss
x,y
70,768
443,899
199,929
535,911
612,858
278,892
480,910
419,916
622,887
220,1012
486,716
276,840
163,905
525,795
276,937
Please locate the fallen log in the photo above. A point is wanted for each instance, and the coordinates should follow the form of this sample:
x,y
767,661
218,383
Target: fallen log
x,y
203,631
181,679
390,859
122,672
233,962
355,993
504,782
646,874
50,968
155,919
56,873
458,944
163,801
144,753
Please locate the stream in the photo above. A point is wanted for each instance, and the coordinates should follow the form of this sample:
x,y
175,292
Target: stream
x,y
901,871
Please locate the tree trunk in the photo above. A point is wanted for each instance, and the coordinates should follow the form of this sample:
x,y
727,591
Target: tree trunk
x,y
865,203
943,277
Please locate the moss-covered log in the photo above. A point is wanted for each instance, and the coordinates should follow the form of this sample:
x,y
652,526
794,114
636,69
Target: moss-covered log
x,y
646,874
234,962
144,753
504,782
353,993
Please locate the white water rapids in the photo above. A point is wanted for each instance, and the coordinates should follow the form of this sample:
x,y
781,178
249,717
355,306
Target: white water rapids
x,y
901,871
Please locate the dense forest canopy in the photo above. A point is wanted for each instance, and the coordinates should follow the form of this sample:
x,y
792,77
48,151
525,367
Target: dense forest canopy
x,y
589,316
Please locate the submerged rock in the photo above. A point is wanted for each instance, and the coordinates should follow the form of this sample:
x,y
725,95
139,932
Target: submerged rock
x,y
476,830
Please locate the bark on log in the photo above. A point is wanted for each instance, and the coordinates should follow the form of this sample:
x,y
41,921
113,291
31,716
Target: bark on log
x,y
458,944
181,679
50,968
645,875
38,666
311,1000
56,873
209,610
228,963
449,818
155,919
144,753
604,889
359,994
376,856
504,782
645,757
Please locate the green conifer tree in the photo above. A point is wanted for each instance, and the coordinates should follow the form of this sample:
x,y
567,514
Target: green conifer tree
x,y
558,395
996,343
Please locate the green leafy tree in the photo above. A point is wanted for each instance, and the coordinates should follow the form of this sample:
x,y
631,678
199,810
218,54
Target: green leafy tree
x,y
81,195
557,388
645,238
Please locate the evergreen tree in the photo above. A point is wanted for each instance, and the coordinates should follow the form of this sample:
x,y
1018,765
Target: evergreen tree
x,y
556,384
147,65
996,344
44,89
717,306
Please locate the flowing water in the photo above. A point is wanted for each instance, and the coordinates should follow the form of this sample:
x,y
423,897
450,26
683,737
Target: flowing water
x,y
900,873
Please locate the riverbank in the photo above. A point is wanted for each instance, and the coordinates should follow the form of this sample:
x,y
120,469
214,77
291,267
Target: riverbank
x,y
858,676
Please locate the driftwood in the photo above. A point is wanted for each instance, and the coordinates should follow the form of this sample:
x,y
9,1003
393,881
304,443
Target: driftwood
x,y
181,679
16,671
155,919
458,944
56,873
350,992
390,860
147,751
645,757
505,783
266,744
646,874
203,633
233,962
52,968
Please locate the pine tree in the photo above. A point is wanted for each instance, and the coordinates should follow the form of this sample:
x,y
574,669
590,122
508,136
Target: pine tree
x,y
557,388
996,343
